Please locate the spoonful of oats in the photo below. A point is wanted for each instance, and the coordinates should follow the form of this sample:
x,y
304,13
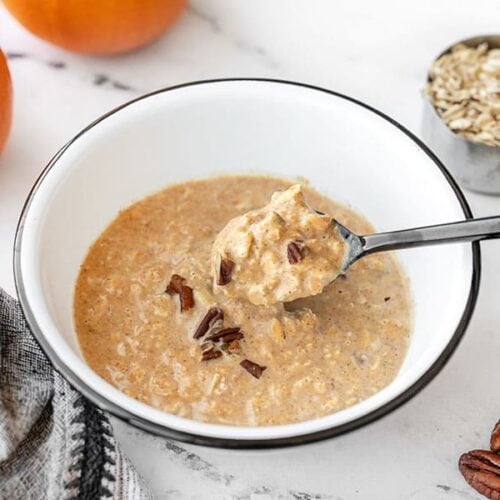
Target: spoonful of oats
x,y
287,250
278,253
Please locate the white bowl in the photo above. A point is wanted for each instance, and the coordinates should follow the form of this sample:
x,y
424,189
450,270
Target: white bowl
x,y
346,149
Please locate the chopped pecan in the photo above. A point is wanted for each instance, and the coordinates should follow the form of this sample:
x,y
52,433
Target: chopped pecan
x,y
253,368
213,314
495,438
230,337
481,469
186,297
221,333
225,271
234,345
212,354
206,346
294,252
175,284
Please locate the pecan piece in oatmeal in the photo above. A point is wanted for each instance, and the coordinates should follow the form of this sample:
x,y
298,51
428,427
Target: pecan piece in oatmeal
x,y
294,252
212,354
175,284
213,314
225,331
225,271
186,298
253,368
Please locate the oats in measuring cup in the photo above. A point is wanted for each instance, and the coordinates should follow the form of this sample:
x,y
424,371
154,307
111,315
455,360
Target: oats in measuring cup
x,y
464,88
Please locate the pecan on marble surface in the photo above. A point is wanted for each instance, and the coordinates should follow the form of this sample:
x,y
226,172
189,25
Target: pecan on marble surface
x,y
495,438
481,469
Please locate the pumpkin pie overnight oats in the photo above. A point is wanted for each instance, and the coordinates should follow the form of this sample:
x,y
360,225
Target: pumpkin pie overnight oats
x,y
213,300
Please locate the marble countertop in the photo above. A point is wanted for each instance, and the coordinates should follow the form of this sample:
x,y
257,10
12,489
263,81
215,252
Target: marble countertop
x,y
376,51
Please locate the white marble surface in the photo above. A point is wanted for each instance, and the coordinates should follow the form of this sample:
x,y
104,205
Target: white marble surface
x,y
376,51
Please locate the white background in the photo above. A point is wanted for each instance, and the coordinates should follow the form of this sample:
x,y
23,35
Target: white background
x,y
377,51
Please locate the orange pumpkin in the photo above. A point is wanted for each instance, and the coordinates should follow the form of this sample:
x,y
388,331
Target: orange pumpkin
x,y
5,100
96,26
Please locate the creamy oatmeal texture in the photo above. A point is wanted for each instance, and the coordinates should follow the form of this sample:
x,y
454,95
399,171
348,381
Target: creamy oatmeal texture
x,y
321,354
280,253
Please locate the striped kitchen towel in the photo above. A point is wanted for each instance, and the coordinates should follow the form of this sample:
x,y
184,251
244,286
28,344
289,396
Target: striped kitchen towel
x,y
54,444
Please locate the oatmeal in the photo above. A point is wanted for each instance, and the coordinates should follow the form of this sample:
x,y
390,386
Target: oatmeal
x,y
149,322
278,253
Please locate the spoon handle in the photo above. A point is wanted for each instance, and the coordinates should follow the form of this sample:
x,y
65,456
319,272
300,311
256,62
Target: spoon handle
x,y
468,230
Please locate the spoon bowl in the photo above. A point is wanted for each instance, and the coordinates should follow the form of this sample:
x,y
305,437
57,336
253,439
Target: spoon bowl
x,y
354,245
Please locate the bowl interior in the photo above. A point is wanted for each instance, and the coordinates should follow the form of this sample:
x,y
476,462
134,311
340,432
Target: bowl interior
x,y
345,150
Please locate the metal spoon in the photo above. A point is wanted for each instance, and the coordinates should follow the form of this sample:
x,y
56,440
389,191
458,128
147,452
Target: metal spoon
x,y
469,230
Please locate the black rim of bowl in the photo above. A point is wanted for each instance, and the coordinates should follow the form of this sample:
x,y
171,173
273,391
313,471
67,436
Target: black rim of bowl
x,y
161,430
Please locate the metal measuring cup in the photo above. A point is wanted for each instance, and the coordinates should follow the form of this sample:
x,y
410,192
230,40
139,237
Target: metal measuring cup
x,y
475,166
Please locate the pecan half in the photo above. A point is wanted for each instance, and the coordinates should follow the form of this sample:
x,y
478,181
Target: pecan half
x,y
495,438
225,271
481,469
